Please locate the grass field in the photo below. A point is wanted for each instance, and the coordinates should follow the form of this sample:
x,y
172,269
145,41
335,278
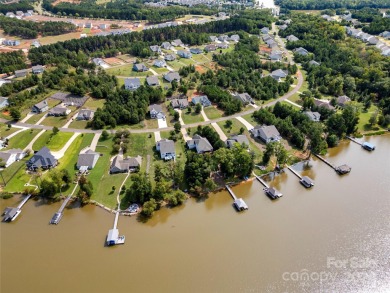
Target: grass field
x,y
5,131
200,58
364,117
56,121
179,147
176,65
16,176
78,124
35,118
55,143
126,70
192,117
213,112
151,123
60,38
160,70
22,139
186,61
93,104
250,119
142,145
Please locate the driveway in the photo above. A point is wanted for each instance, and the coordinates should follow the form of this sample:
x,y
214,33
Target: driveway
x,y
204,115
219,131
30,145
152,71
246,123
95,140
162,123
70,120
28,116
15,133
170,68
40,120
157,136
61,152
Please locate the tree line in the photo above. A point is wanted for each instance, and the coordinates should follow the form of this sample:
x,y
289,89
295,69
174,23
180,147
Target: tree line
x,y
331,4
11,61
30,30
16,6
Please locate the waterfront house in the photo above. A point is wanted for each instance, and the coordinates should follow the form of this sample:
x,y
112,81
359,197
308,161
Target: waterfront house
x,y
241,139
203,100
87,159
279,74
184,54
10,156
85,114
140,67
160,63
171,76
132,84
342,101
313,116
196,51
267,133
123,165
201,144
244,98
3,102
170,57
292,38
59,111
177,43
152,81
179,103
301,51
38,69
42,159
166,46
40,107
21,73
166,148
156,111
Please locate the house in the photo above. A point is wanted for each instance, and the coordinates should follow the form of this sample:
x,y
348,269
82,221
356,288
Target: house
x,y
10,156
166,45
201,144
85,114
292,38
3,102
179,103
156,111
140,67
223,38
210,48
271,43
35,44
267,37
279,74
155,49
152,81
10,14
160,63
301,51
103,26
267,133
342,100
42,159
373,40
196,51
132,83
177,43
11,42
170,57
244,98
59,111
19,13
203,100
166,148
222,46
3,81
38,69
171,76
282,27
264,30
241,139
234,38
123,165
98,61
3,143
87,159
213,38
40,107
21,73
385,34
276,56
88,25
323,104
184,54
314,63
313,116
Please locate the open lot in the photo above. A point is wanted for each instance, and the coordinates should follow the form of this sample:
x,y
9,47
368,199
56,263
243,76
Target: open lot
x,y
22,139
192,117
213,112
55,143
93,104
5,131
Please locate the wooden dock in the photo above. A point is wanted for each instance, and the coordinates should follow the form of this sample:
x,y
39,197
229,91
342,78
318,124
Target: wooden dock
x,y
113,237
261,181
238,203
294,172
10,214
341,170
273,193
58,215
354,140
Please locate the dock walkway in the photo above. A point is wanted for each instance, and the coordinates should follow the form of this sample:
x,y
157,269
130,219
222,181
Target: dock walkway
x,y
11,214
238,203
261,181
341,170
58,215
294,172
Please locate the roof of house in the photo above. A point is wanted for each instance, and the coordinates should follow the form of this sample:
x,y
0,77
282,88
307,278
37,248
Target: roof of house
x,y
155,108
314,116
58,110
3,99
172,75
275,56
279,73
292,38
313,62
154,48
132,82
119,163
266,131
301,51
87,157
166,146
170,57
179,103
42,158
177,42
241,138
41,105
235,37
21,71
342,100
210,47
202,144
323,104
85,113
37,67
244,97
139,66
196,50
152,80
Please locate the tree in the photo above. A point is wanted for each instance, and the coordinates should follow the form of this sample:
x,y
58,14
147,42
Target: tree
x,y
177,127
55,130
242,129
15,114
198,108
141,189
176,116
189,110
332,140
209,185
176,198
105,135
149,207
228,124
373,119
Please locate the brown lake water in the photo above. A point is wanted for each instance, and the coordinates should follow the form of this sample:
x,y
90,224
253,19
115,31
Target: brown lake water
x,y
332,238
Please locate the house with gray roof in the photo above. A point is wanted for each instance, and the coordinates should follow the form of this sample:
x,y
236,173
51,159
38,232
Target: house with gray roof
x,y
222,46
87,159
279,74
38,69
210,48
314,63
196,51
282,27
156,111
213,38
59,111
85,114
42,159
10,156
184,54
267,37
166,148
179,103
201,144
301,51
240,139
132,83
40,107
177,43
267,133
323,104
3,102
313,116
155,49
276,56
170,57
292,38
272,43
123,165
223,38
166,45
152,81
140,67
342,100
21,73
244,98
171,76
234,38
264,30
203,100
385,34
160,63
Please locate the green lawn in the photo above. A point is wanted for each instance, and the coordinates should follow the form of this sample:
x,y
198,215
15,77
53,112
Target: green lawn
x,y
35,118
213,112
5,131
200,58
175,65
78,124
160,70
187,61
55,143
364,117
179,147
93,104
126,70
22,139
142,145
151,123
235,128
250,119
192,117
56,121
16,181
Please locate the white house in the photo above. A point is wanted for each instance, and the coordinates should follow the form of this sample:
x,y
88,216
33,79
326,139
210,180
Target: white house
x,y
10,156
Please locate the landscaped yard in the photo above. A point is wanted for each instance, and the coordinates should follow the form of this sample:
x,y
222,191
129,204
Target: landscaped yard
x,y
151,123
78,124
200,58
213,112
175,65
55,143
16,176
234,129
364,118
5,131
35,118
250,119
22,139
160,70
126,70
179,147
142,144
93,104
192,117
56,121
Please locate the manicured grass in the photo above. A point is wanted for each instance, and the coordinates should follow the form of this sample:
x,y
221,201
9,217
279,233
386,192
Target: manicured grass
x,y
250,119
192,117
5,131
179,147
55,143
151,123
142,145
364,117
78,124
160,70
93,104
16,181
213,112
59,38
56,121
22,139
35,118
187,61
235,128
126,70
200,58
175,64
